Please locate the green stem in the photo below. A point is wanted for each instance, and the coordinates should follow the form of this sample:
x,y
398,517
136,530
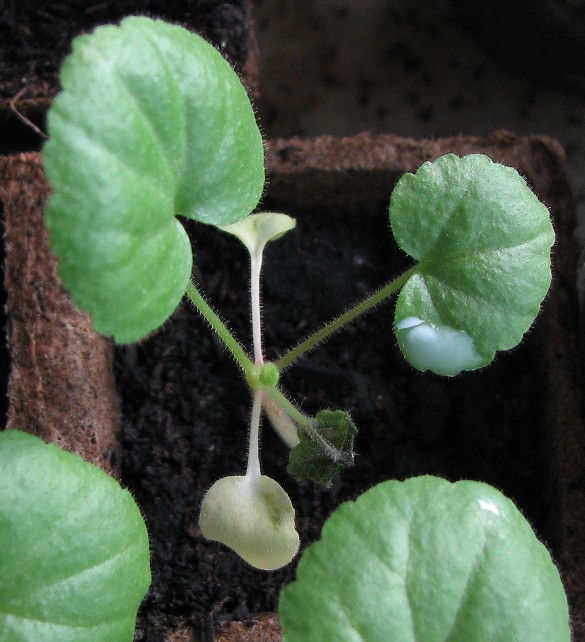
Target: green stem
x,y
348,316
228,339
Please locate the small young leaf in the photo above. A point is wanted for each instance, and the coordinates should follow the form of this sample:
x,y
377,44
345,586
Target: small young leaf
x,y
254,517
74,553
430,561
256,230
483,241
325,449
152,122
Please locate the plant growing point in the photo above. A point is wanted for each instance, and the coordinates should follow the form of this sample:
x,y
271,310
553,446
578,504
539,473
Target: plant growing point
x,y
269,375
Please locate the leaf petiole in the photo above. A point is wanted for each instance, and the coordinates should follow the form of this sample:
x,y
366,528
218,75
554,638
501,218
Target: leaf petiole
x,y
227,338
371,301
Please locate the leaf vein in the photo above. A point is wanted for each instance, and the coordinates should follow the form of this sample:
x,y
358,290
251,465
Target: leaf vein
x,y
466,589
71,576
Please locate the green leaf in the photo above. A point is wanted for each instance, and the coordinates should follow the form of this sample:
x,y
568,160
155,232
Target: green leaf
x,y
325,449
152,123
426,561
74,553
482,240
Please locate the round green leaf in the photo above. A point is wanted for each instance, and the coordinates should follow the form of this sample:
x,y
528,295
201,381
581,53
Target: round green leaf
x,y
482,240
152,123
74,553
426,560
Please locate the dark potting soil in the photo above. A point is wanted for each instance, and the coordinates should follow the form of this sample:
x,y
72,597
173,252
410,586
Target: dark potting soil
x,y
186,408
35,36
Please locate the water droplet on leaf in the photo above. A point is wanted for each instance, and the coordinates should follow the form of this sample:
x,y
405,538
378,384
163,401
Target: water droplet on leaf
x,y
440,349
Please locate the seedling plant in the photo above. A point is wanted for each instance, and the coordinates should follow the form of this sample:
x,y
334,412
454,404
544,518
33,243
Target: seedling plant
x,y
153,126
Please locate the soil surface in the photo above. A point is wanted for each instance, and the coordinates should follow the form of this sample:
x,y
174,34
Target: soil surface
x,y
35,36
185,407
